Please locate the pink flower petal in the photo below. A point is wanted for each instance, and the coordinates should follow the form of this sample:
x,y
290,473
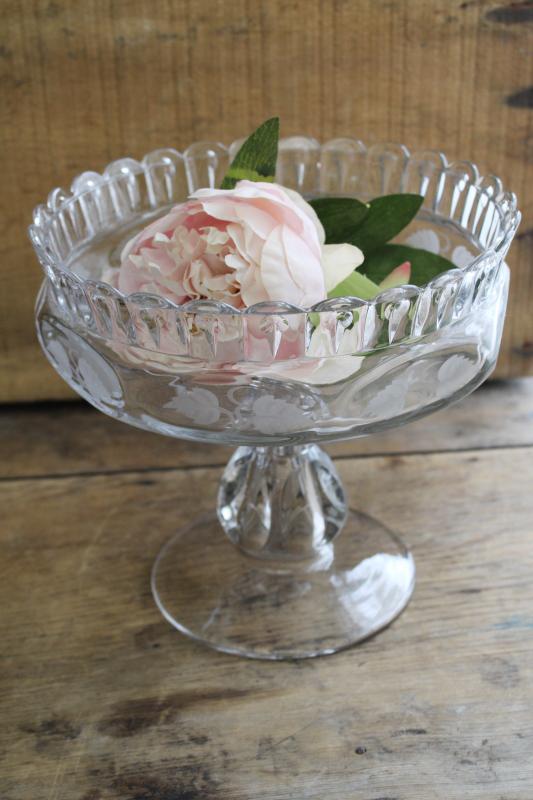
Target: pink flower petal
x,y
164,224
286,269
398,277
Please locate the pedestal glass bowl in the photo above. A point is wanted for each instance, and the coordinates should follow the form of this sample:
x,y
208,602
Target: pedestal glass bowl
x,y
283,569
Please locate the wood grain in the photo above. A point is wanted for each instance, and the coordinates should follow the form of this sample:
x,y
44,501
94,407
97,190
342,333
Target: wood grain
x,y
102,700
69,438
88,81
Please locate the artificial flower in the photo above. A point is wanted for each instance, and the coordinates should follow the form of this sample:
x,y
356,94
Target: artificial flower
x,y
254,243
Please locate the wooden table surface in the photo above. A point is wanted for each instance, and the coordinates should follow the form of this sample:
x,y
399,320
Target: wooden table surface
x,y
102,699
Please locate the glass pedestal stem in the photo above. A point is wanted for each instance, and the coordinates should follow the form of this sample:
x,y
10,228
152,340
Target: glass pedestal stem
x,y
283,503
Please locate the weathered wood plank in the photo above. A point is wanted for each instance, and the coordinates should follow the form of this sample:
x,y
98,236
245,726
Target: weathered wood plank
x,y
70,438
88,81
102,700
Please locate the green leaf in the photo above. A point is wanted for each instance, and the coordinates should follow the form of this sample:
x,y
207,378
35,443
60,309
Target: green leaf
x,y
424,265
355,285
340,216
387,216
256,159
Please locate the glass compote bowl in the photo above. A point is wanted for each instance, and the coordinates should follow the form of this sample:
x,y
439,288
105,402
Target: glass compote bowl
x,y
283,568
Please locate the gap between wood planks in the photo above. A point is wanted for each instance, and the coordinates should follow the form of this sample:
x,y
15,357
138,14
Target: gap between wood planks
x,y
220,464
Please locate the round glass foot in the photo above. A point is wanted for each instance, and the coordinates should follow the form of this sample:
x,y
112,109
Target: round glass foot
x,y
215,593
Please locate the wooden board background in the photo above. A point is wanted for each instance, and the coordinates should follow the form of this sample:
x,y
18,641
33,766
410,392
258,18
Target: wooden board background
x,y
83,82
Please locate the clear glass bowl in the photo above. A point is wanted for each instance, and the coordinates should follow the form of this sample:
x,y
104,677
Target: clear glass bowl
x,y
277,380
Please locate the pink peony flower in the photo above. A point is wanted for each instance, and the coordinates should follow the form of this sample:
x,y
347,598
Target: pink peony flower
x,y
254,243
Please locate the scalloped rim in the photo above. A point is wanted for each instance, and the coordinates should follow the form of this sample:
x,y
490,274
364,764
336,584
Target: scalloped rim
x,y
84,183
